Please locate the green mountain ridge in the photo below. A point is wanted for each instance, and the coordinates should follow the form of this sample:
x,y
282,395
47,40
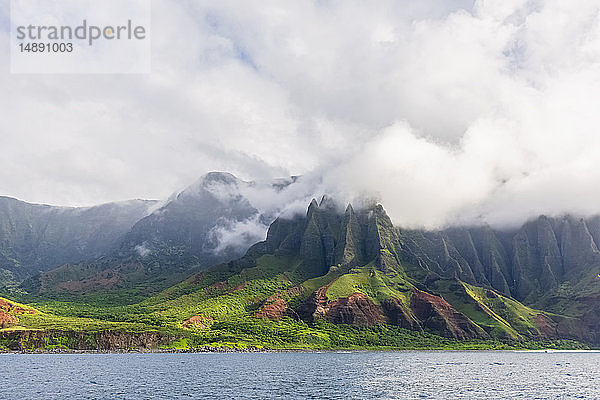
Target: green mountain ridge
x,y
331,278
551,264
366,282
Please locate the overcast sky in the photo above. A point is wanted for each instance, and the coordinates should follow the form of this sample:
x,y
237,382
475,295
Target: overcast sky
x,y
445,110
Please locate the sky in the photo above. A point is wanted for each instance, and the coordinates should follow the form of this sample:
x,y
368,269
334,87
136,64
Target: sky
x,y
445,111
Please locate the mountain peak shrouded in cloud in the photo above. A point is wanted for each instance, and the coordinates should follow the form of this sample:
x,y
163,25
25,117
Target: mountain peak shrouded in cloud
x,y
462,112
223,214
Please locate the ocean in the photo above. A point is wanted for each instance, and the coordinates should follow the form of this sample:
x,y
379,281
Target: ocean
x,y
300,375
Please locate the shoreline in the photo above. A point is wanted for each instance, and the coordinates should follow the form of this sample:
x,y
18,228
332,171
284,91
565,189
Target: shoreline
x,y
216,350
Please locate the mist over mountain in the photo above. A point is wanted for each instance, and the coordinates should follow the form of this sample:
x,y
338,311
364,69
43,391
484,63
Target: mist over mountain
x,y
333,261
354,267
215,219
36,237
220,216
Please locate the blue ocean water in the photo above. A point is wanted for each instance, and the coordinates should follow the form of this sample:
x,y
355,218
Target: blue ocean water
x,y
328,375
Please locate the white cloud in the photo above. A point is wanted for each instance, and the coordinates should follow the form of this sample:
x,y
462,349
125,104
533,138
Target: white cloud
x,y
237,235
445,113
142,249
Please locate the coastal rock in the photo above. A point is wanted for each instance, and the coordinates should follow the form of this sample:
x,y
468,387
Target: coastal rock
x,y
438,315
397,314
276,310
7,320
24,340
355,309
197,321
546,327
15,309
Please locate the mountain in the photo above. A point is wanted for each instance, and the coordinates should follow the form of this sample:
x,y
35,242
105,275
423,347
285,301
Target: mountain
x,y
352,267
549,263
331,277
527,264
35,237
209,222
215,260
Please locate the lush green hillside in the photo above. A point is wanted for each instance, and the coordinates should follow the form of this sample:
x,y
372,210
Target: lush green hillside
x,y
329,279
346,266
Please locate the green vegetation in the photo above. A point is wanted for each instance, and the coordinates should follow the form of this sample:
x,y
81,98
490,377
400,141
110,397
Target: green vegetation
x,y
228,315
328,281
45,321
500,316
372,283
291,334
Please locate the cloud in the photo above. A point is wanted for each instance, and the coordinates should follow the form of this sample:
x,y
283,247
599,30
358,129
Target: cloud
x,y
286,197
142,249
237,235
448,112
